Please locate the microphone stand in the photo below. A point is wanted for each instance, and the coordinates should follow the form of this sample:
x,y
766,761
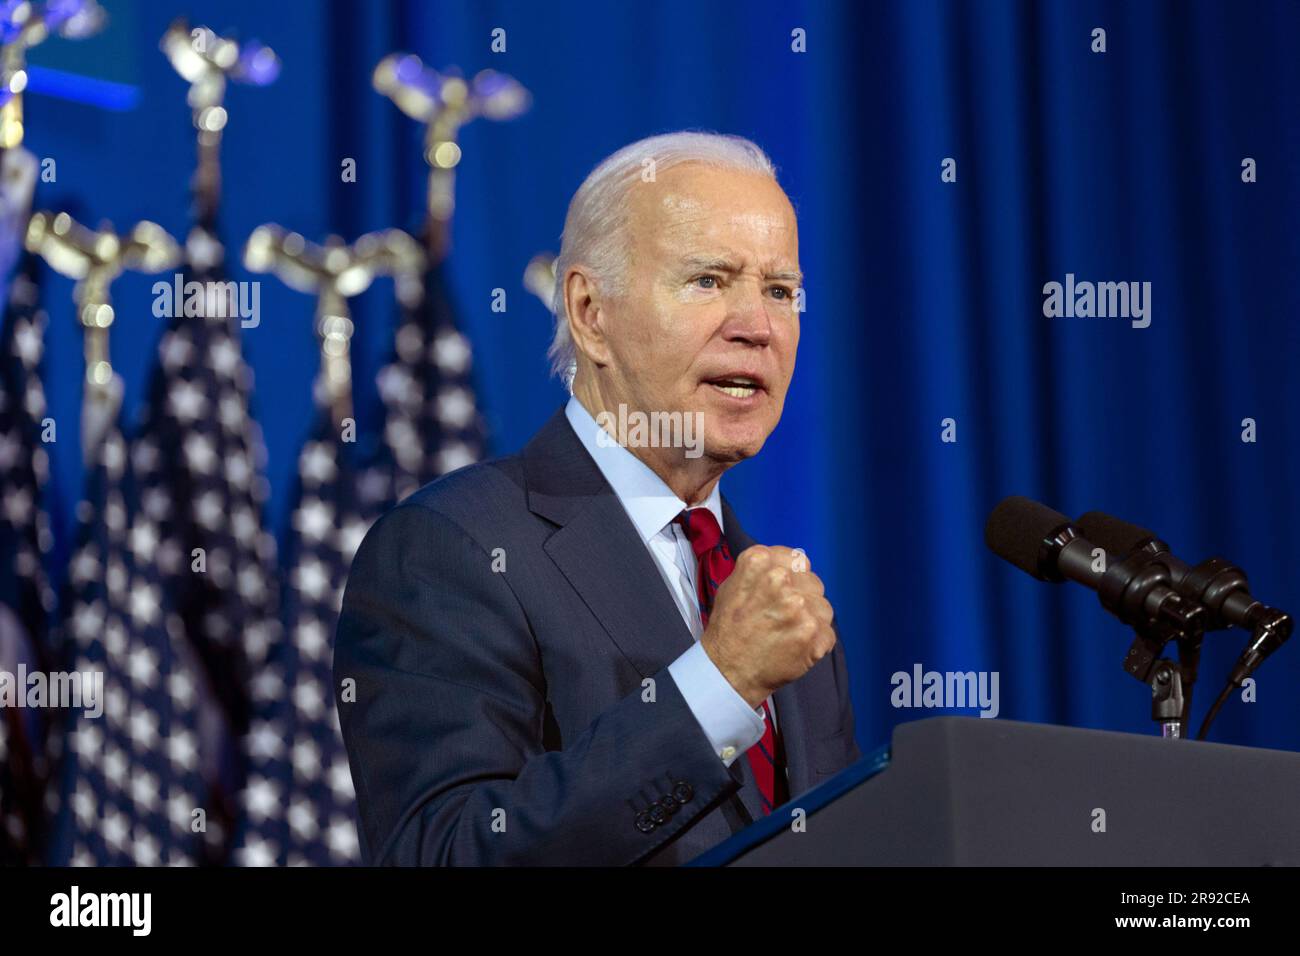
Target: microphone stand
x,y
1171,681
1123,589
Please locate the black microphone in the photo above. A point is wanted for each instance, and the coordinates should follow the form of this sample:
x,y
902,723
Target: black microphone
x,y
1216,585
1047,545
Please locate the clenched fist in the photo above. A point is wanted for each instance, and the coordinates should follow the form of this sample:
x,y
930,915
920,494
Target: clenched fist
x,y
770,623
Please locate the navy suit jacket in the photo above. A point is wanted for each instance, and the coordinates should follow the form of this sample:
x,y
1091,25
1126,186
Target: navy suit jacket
x,y
509,638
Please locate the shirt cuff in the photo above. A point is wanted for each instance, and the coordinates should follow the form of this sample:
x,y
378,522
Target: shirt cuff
x,y
731,725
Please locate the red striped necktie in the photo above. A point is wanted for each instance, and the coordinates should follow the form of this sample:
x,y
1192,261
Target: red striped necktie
x,y
714,564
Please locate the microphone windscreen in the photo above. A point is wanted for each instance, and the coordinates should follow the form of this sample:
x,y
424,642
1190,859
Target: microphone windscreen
x,y
1118,537
1016,530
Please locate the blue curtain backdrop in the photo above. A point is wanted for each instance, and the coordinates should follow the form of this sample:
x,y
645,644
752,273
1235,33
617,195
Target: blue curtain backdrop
x,y
924,297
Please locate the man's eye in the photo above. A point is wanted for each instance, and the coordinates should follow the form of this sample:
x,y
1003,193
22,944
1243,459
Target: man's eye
x,y
785,291
709,279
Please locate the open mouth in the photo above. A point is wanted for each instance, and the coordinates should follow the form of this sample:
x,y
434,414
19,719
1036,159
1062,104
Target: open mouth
x,y
737,386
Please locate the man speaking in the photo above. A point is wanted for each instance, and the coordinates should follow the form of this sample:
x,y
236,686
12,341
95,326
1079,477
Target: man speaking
x,y
575,655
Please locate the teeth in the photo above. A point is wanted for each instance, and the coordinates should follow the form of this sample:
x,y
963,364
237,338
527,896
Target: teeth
x,y
737,392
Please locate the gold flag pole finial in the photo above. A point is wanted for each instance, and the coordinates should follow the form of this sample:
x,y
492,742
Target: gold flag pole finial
x,y
334,272
444,102
207,61
95,258
28,25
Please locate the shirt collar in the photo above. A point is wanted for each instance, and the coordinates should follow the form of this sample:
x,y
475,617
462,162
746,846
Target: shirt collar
x,y
649,502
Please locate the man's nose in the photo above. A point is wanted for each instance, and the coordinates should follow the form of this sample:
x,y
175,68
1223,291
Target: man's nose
x,y
748,319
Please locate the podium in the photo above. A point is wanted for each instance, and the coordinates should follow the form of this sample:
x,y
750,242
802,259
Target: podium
x,y
966,791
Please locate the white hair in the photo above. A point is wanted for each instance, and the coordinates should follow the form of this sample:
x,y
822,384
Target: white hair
x,y
595,226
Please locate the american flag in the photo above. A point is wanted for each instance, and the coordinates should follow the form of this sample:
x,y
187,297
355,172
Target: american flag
x,y
130,791
299,807
204,453
26,598
432,424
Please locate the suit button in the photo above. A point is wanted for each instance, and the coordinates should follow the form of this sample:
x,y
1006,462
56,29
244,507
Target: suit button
x,y
669,803
658,814
682,792
644,823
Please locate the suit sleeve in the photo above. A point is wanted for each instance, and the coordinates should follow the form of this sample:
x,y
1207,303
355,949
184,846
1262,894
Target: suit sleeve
x,y
852,754
445,732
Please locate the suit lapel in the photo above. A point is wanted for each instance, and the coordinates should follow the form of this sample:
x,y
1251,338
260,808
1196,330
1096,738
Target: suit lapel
x,y
599,552
601,555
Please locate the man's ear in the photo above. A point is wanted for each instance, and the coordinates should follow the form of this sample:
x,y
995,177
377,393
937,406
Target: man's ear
x,y
586,316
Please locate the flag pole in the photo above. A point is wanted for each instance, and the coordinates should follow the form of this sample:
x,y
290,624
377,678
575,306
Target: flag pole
x,y
95,258
334,272
207,61
444,103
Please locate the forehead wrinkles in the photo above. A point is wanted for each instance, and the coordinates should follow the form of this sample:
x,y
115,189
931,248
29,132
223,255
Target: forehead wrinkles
x,y
762,223
668,217
684,215
677,212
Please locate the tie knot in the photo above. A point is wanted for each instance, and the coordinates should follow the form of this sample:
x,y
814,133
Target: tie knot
x,y
701,529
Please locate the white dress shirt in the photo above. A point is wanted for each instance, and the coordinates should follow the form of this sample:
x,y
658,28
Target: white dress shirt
x,y
731,725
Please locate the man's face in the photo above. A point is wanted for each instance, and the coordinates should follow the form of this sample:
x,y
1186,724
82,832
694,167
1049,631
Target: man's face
x,y
708,322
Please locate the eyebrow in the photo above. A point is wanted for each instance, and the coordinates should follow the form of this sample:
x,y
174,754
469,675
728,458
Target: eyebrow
x,y
715,264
